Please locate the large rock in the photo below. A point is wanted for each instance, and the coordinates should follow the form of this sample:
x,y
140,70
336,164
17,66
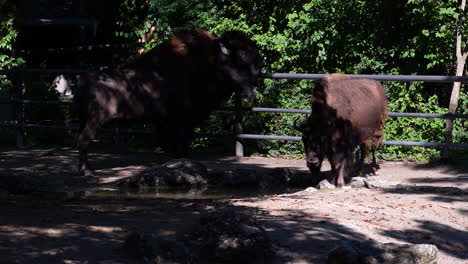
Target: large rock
x,y
228,236
157,250
263,179
234,178
301,179
175,173
189,174
358,182
276,180
380,184
356,252
225,236
325,185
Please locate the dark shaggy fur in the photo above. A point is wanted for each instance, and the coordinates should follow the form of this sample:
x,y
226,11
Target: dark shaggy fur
x,y
177,84
346,113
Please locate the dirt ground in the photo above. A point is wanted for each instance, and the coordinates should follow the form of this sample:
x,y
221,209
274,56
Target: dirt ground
x,y
304,226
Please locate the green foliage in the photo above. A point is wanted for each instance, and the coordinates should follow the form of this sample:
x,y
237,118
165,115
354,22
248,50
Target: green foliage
x,y
408,99
7,58
379,37
317,36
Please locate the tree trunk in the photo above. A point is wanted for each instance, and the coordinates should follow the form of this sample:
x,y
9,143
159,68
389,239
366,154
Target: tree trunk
x,y
461,60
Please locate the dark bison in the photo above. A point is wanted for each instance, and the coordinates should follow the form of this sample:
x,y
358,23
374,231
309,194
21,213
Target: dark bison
x,y
346,113
177,85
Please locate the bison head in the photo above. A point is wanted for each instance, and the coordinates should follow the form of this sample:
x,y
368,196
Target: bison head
x,y
314,145
239,62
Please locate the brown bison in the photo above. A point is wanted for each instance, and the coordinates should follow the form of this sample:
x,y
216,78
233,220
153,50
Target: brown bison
x,y
177,85
346,113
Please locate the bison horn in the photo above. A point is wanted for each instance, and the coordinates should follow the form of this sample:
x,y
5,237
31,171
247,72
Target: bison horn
x,y
224,50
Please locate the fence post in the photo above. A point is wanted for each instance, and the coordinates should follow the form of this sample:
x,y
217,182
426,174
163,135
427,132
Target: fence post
x,y
238,126
448,137
19,109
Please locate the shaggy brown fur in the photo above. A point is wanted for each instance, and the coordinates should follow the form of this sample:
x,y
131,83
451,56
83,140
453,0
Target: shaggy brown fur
x,y
346,113
177,84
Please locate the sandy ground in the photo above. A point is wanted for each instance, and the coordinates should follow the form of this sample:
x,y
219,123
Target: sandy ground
x,y
304,226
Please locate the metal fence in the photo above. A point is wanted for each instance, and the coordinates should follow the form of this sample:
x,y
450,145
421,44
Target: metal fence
x,y
19,102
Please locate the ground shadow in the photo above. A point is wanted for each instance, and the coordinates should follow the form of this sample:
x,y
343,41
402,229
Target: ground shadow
x,y
35,230
446,238
442,194
90,230
304,238
459,172
93,230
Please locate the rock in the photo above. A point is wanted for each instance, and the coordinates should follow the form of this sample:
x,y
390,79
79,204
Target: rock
x,y
224,236
157,250
436,189
228,236
189,174
184,172
311,189
358,182
175,173
235,178
380,184
301,179
264,180
307,191
276,180
325,185
366,252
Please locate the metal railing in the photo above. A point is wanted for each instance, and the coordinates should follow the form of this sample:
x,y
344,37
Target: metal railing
x,y
399,78
19,124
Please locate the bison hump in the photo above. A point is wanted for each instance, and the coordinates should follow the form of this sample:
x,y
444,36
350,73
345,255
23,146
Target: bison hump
x,y
359,100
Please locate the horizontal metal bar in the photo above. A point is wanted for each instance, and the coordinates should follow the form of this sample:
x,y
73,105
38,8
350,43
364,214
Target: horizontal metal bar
x,y
390,143
290,76
84,48
268,137
392,114
62,102
399,78
425,144
73,128
279,110
59,21
38,126
111,130
48,71
264,109
424,115
244,136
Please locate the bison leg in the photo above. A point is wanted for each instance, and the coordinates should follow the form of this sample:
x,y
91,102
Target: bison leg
x,y
364,152
342,173
374,165
334,174
87,133
175,138
340,167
